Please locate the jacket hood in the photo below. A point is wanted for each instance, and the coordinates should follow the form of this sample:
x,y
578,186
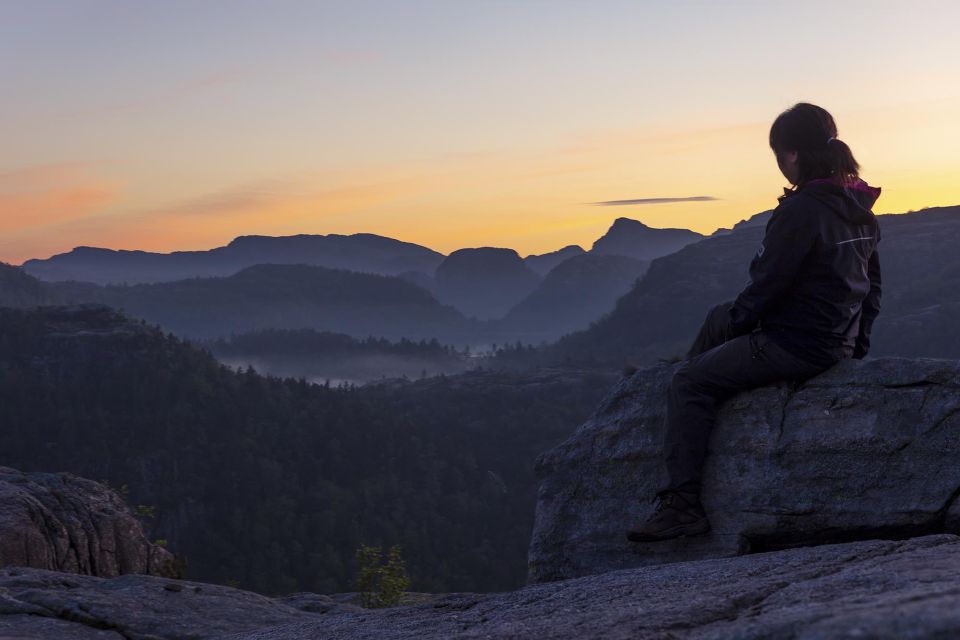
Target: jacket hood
x,y
853,202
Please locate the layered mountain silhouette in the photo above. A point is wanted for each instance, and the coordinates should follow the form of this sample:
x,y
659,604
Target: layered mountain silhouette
x,y
544,262
17,289
759,219
634,239
576,292
659,317
363,252
485,282
265,296
581,286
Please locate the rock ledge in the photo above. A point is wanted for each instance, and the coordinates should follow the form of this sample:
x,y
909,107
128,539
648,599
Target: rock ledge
x,y
866,450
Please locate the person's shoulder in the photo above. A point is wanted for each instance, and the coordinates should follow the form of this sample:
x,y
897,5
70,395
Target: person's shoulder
x,y
797,203
796,216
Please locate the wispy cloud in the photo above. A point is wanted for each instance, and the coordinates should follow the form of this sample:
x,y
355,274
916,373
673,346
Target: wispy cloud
x,y
41,175
229,200
292,203
35,196
269,198
620,203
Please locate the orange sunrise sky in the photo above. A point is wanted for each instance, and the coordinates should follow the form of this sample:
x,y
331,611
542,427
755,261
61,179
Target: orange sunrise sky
x,y
180,125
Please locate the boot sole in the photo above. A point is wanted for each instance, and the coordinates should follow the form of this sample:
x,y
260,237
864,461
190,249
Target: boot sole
x,y
699,527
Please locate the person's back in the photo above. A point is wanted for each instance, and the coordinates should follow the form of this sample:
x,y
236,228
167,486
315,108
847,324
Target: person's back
x,y
813,295
829,303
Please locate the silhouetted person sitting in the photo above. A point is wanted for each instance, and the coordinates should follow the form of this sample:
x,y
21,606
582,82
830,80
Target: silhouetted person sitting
x,y
813,295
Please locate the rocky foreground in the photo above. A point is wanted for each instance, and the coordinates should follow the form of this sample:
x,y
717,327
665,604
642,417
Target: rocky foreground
x,y
865,450
62,522
856,469
873,589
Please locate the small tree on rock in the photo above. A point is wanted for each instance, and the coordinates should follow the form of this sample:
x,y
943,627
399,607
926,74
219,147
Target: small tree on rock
x,y
379,584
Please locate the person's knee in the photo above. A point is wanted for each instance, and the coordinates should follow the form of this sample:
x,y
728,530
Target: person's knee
x,y
686,377
722,310
720,313
695,377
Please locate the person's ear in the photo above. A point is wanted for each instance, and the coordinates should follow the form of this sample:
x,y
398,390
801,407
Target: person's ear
x,y
791,157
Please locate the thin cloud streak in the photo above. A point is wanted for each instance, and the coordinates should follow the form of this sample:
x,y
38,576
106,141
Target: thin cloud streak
x,y
42,175
38,195
620,203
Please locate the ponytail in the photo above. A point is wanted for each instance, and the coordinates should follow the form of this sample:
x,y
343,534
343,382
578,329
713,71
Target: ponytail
x,y
841,162
811,132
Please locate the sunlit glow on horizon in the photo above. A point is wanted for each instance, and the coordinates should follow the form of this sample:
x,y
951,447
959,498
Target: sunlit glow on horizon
x,y
447,124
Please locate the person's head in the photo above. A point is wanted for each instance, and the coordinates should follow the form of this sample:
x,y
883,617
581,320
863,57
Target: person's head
x,y
804,140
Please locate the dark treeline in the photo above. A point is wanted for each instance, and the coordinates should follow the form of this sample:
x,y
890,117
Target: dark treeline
x,y
328,344
324,355
274,483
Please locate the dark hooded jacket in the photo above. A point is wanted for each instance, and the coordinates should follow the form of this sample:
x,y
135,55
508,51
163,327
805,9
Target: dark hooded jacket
x,y
815,280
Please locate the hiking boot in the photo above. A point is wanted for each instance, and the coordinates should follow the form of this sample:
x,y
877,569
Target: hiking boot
x,y
678,513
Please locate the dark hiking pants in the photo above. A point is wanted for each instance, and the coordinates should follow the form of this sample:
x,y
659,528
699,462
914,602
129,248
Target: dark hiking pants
x,y
717,367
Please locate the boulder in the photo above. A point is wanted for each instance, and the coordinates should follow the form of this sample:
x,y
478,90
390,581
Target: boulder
x,y
867,449
61,522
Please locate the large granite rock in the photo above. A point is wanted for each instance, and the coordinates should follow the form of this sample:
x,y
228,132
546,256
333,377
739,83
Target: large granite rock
x,y
868,449
875,589
66,523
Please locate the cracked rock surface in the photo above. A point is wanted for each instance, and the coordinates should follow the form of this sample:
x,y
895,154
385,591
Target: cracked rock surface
x,y
867,449
62,522
875,589
35,603
870,589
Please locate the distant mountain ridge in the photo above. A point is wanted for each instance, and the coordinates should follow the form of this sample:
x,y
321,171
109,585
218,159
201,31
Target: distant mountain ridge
x,y
756,220
655,317
261,297
494,295
363,252
573,294
632,238
484,282
544,262
659,317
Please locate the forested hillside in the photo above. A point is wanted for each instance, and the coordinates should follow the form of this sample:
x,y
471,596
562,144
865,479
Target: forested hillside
x,y
274,483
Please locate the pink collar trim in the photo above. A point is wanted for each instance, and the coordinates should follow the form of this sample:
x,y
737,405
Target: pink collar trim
x,y
859,185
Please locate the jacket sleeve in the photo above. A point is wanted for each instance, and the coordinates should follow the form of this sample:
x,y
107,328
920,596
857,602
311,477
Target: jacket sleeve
x,y
870,307
790,235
